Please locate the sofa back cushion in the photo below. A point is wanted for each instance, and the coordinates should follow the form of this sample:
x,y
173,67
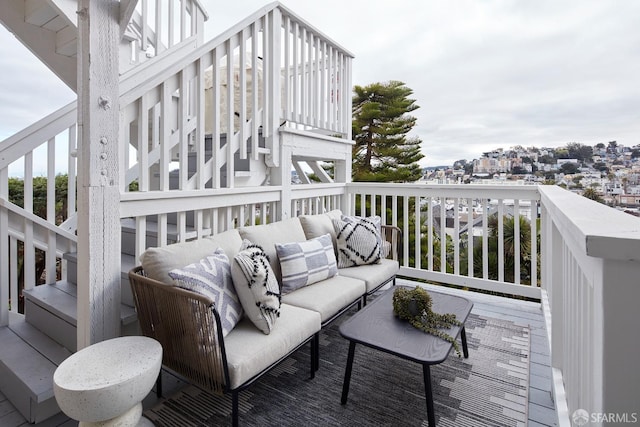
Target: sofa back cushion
x,y
267,235
158,262
321,224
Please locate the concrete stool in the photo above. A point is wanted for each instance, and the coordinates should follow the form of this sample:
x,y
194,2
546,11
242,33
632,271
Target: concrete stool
x,y
104,384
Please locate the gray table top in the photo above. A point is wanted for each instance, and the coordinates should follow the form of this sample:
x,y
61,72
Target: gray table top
x,y
376,326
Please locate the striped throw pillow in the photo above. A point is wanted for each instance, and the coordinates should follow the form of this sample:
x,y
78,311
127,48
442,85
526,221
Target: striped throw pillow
x,y
305,263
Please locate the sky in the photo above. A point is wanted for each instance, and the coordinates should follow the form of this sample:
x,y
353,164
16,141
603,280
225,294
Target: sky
x,y
485,73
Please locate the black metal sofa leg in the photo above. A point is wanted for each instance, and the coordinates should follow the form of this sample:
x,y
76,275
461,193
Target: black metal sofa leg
x,y
313,355
234,408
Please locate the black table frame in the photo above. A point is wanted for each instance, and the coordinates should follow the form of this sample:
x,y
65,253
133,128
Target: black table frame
x,y
381,310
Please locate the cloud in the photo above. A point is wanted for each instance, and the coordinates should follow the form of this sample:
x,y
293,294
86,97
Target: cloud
x,y
486,74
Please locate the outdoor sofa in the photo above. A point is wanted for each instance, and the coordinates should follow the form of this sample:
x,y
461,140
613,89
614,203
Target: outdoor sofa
x,y
200,340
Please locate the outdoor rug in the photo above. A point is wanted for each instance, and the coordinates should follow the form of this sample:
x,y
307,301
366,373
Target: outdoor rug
x,y
490,388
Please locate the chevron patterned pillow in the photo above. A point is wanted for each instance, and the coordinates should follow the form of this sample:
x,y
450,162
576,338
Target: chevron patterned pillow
x,y
211,277
358,241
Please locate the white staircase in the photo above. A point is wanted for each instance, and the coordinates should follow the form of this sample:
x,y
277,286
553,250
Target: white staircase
x,y
199,156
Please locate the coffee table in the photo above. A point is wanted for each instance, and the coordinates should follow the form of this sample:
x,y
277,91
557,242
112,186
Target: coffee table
x,y
377,327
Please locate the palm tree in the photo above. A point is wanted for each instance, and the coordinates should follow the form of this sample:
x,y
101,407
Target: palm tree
x,y
509,250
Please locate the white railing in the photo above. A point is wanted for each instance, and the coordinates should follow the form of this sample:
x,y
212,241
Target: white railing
x,y
157,26
283,71
316,198
591,274
33,225
504,254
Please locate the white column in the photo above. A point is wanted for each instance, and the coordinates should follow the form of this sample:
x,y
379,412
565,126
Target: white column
x,y
98,191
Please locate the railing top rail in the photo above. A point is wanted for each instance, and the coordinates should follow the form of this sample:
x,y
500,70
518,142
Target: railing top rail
x,y
602,232
529,192
140,203
15,147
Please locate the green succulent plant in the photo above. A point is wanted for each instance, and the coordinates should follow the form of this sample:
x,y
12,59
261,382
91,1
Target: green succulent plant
x,y
414,305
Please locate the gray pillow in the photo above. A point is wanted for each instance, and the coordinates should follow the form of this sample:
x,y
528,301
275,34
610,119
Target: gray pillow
x,y
358,240
305,263
211,277
257,286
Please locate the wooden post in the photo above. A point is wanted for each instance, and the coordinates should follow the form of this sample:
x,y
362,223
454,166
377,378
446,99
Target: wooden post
x,y
98,191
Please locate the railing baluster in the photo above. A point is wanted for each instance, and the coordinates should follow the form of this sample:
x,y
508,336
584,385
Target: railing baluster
x,y
417,236
501,240
534,243
183,144
485,239
182,226
216,150
296,72
405,228
242,70
456,236
230,114
430,231
470,241
516,241
5,266
13,276
255,84
443,235
172,19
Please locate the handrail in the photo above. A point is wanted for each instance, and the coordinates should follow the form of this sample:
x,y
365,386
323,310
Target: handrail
x,y
29,216
591,266
30,138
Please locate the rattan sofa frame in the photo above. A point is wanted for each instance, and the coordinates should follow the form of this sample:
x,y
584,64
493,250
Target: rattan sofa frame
x,y
188,327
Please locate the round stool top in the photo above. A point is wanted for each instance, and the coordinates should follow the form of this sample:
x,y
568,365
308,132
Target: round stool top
x,y
105,379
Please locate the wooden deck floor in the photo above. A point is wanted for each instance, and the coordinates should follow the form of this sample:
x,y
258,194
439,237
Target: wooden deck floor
x,y
542,411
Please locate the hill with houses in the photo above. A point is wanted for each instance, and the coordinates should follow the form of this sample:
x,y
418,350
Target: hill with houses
x,y
609,171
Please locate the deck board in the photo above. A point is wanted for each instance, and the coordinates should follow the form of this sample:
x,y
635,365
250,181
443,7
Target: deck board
x,y
542,411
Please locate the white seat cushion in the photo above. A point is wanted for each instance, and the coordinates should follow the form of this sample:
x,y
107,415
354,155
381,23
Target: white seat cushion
x,y
372,274
249,351
327,297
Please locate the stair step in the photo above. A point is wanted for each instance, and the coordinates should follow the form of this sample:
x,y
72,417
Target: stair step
x,y
28,359
53,310
127,262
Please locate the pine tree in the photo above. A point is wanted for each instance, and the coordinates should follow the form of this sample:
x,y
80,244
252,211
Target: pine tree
x,y
381,121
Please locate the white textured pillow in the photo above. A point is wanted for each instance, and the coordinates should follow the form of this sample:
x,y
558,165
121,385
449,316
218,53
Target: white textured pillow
x,y
211,277
257,286
358,241
305,263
